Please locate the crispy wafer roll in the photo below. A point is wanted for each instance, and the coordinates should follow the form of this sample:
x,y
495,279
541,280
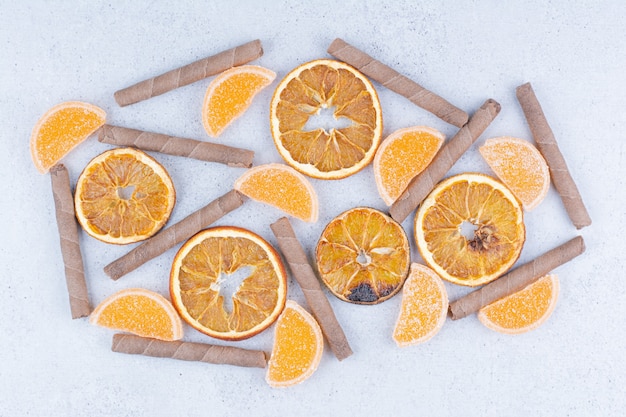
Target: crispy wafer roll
x,y
189,73
172,145
308,281
517,279
188,351
397,82
70,247
451,151
546,143
175,234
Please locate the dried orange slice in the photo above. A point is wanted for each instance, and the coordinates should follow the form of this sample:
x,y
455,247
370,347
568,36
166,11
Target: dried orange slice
x,y
329,87
228,283
403,155
230,94
363,256
470,229
423,309
124,196
282,187
524,310
520,166
141,312
61,129
298,347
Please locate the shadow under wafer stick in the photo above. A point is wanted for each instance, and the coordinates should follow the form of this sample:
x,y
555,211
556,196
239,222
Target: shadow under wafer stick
x,y
70,246
167,238
172,145
190,73
546,143
517,279
420,186
188,351
308,281
397,82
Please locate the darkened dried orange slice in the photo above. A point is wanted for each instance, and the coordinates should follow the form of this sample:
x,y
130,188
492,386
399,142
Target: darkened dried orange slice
x,y
124,196
363,256
325,152
470,229
206,269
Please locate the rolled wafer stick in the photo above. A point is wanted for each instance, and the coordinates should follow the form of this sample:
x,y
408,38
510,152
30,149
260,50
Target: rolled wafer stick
x,y
70,247
190,73
517,279
546,143
397,82
172,145
308,281
188,351
451,151
175,234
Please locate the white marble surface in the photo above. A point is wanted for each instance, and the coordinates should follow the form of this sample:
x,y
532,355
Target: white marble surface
x,y
572,52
